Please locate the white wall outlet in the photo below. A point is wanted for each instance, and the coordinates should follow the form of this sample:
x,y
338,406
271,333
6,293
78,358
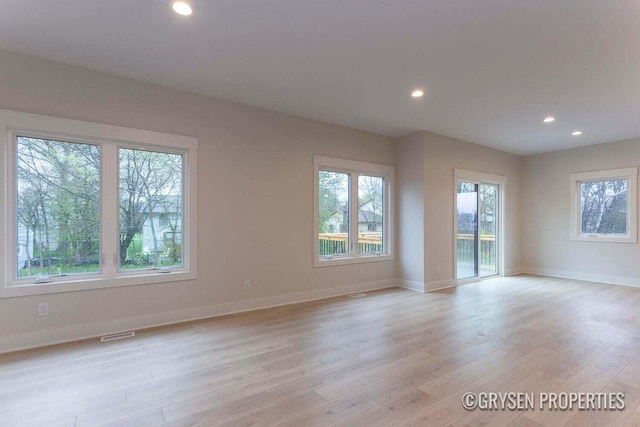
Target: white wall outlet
x,y
438,269
361,271
43,309
247,284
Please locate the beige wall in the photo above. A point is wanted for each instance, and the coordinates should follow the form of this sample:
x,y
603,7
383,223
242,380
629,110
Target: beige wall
x,y
440,156
546,219
410,210
443,155
255,205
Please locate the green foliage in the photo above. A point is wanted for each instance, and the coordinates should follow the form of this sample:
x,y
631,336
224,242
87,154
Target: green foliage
x,y
59,199
149,182
333,194
173,251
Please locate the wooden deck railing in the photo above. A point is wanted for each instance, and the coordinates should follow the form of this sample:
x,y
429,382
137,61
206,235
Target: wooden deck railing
x,y
336,243
465,246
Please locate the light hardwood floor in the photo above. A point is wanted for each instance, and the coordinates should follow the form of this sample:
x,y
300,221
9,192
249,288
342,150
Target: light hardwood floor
x,y
394,357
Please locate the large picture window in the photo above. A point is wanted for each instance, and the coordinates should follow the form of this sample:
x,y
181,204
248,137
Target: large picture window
x,y
89,205
352,211
604,205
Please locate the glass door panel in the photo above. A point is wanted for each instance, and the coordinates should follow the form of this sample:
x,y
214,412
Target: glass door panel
x,y
488,229
477,229
467,229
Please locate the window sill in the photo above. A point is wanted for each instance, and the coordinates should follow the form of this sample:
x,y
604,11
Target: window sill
x,y
604,239
21,288
344,260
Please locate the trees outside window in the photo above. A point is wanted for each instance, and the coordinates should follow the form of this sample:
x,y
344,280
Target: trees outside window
x,y
333,214
370,214
352,210
89,205
58,207
150,206
603,206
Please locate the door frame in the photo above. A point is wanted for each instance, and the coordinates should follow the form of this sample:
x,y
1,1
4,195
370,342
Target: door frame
x,y
479,178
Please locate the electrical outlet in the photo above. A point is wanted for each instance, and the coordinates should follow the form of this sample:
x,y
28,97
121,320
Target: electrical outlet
x,y
43,309
361,271
247,284
438,269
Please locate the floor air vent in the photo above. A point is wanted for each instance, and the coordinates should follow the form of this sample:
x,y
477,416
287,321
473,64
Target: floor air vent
x,y
119,336
360,295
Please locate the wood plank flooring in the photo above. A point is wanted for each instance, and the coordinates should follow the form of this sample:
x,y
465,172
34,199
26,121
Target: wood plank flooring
x,y
393,358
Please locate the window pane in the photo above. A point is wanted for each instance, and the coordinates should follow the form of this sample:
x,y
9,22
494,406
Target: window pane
x,y
150,209
488,218
370,214
58,203
333,218
603,207
467,226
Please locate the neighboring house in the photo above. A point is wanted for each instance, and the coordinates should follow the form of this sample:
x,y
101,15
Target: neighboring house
x,y
369,221
337,222
23,245
369,218
164,223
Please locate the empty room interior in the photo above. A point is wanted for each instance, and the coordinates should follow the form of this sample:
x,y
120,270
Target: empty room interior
x,y
233,213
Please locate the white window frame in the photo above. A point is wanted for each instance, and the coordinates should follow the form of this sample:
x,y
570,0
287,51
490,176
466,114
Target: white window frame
x,y
354,168
631,174
110,138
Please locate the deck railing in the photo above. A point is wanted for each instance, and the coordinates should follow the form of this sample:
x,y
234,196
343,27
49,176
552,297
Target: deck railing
x,y
336,243
465,246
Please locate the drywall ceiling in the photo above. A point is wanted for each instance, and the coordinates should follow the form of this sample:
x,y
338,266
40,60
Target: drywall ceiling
x,y
491,69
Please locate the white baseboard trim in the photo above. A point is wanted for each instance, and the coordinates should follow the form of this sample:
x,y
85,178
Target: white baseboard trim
x,y
48,337
600,278
439,285
513,271
412,286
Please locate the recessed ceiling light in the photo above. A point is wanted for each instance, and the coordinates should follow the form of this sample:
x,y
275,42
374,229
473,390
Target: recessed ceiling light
x,y
577,133
417,93
182,8
549,119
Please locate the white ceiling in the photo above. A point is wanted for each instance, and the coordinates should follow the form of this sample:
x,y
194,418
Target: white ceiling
x,y
491,69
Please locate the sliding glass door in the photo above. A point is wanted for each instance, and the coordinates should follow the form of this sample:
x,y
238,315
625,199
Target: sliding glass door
x,y
477,209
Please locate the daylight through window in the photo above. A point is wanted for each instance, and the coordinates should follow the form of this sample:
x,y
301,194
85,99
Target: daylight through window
x,y
58,207
604,205
90,206
352,210
150,209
